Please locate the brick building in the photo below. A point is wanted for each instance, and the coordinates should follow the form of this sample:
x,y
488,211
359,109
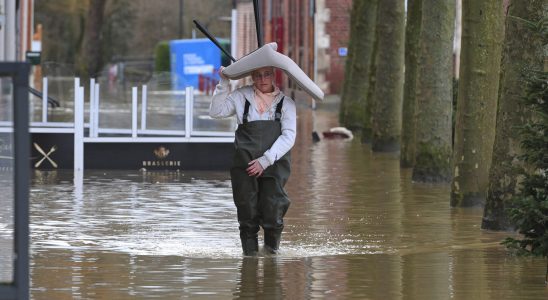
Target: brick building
x,y
308,31
335,16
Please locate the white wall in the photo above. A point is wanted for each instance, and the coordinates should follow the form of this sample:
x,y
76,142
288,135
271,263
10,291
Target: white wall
x,y
8,31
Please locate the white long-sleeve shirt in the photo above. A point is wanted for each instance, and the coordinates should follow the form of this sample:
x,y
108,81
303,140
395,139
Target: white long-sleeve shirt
x,y
225,104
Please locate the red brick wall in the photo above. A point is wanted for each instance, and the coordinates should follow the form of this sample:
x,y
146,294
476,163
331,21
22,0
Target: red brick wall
x,y
338,29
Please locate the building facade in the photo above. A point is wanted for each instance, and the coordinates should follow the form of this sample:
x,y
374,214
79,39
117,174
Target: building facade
x,y
335,32
313,33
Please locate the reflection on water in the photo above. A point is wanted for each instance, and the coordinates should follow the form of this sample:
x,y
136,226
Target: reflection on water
x,y
6,226
357,228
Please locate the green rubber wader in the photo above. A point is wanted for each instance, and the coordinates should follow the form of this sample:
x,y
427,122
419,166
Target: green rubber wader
x,y
260,201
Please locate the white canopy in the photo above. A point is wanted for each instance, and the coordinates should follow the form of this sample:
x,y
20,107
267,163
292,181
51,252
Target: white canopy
x,y
267,56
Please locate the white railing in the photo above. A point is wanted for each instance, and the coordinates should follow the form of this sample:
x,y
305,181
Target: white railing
x,y
78,126
134,134
171,136
45,99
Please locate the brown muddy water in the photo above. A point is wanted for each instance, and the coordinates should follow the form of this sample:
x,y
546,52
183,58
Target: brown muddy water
x,y
357,228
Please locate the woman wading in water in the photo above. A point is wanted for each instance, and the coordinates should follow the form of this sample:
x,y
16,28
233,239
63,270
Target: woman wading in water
x,y
261,166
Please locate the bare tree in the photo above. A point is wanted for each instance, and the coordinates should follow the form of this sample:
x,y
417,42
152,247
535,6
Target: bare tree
x,y
482,34
389,76
435,92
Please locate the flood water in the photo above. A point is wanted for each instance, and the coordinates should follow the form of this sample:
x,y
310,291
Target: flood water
x,y
357,228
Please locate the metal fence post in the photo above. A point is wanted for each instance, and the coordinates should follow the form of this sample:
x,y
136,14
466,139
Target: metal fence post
x,y
91,132
144,107
44,99
78,126
96,110
134,96
189,99
19,73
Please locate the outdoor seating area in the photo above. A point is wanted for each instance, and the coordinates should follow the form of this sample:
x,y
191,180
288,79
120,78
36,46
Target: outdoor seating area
x,y
153,129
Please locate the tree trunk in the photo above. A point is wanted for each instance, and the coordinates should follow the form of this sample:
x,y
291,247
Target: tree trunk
x,y
91,57
367,132
362,46
435,92
389,76
458,38
345,97
412,33
482,31
522,49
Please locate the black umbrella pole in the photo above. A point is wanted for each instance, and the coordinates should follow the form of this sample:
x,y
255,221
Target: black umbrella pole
x,y
213,39
258,22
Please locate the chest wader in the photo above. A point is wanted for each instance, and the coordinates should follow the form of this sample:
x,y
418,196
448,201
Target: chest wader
x,y
260,201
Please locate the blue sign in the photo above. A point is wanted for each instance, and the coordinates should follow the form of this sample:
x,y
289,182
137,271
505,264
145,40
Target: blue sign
x,y
193,62
343,51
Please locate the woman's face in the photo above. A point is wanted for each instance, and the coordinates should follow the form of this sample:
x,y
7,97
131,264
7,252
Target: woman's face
x,y
263,79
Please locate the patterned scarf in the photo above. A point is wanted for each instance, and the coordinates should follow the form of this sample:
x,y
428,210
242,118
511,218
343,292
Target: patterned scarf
x,y
264,100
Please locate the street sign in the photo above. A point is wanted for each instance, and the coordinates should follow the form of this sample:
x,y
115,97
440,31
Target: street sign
x,y
33,57
192,59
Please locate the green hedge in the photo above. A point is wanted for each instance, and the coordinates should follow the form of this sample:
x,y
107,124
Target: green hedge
x,y
162,61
